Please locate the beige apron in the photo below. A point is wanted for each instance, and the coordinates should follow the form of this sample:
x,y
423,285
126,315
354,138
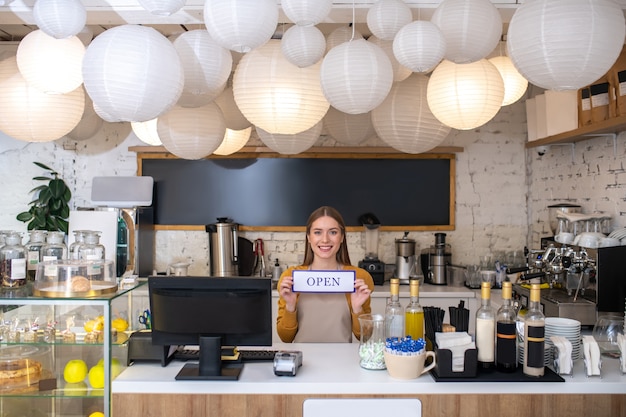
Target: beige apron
x,y
323,318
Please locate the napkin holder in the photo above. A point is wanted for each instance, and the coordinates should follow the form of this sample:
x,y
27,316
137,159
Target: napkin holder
x,y
443,368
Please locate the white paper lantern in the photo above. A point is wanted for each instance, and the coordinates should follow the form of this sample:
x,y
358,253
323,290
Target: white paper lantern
x,y
340,35
147,132
235,120
386,17
356,76
400,72
162,7
85,35
30,115
419,46
233,141
291,144
306,12
60,18
132,73
275,95
349,129
206,64
565,44
404,120
49,64
515,84
303,46
192,133
472,28
90,123
465,96
241,25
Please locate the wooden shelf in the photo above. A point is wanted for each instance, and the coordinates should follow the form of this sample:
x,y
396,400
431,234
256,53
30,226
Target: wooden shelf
x,y
612,125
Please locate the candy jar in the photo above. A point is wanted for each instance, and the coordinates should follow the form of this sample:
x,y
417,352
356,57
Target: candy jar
x,y
372,342
13,262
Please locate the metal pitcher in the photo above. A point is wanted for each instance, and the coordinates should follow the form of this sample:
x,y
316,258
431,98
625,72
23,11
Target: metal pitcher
x,y
223,252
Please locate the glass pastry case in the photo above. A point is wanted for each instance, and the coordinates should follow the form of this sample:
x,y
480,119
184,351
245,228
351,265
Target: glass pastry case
x,y
59,354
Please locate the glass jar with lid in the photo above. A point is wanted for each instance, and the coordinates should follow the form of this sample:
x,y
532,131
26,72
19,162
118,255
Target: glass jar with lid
x,y
13,261
36,240
91,249
79,239
55,248
3,235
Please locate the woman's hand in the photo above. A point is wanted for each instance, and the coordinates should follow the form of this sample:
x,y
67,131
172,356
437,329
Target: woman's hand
x,y
360,295
286,292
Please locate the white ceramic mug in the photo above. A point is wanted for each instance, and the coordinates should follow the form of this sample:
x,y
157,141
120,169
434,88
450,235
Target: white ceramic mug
x,y
408,367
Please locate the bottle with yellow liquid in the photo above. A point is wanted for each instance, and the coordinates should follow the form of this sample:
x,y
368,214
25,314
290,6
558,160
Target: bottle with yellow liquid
x,y
414,313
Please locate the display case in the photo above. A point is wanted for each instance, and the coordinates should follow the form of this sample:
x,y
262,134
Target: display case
x,y
58,355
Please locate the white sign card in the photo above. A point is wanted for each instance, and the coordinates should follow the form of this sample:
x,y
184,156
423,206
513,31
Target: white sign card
x,y
306,280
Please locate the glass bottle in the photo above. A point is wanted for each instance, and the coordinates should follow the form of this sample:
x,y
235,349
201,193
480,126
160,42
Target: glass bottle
x,y
506,333
486,328
33,250
394,313
91,249
122,247
414,313
55,248
13,261
534,334
79,239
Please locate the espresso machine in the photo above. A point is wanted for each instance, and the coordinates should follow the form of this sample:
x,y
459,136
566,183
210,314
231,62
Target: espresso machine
x,y
435,261
405,259
371,263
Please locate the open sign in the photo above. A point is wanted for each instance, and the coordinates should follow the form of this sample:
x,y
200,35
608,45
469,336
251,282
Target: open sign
x,y
306,280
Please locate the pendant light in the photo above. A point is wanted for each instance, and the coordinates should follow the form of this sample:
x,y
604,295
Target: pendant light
x,y
386,17
235,120
303,46
515,85
233,141
349,129
162,7
306,12
400,72
419,46
60,18
90,123
147,132
292,143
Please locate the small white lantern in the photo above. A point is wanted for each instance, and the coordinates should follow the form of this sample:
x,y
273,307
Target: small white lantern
x,y
472,28
60,18
515,84
386,17
306,12
233,141
340,35
147,132
89,124
303,46
356,76
241,25
465,96
400,72
349,129
565,44
162,7
419,46
291,144
235,120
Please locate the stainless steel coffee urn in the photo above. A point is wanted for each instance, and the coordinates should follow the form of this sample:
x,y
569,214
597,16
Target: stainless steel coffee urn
x,y
435,261
405,258
223,250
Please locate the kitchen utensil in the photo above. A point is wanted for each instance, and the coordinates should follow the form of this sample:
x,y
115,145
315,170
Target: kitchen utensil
x,y
223,247
405,257
605,332
178,269
435,261
409,366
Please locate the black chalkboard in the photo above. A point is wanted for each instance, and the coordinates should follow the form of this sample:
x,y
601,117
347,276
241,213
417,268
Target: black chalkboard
x,y
282,192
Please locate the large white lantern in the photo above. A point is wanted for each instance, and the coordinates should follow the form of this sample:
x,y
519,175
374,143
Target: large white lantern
x,y
356,76
303,46
147,132
465,96
349,129
400,72
419,46
233,141
306,12
241,25
31,115
278,96
515,84
235,120
132,73
291,144
60,18
206,64
565,44
386,17
162,7
90,123
404,120
49,64
472,28
192,133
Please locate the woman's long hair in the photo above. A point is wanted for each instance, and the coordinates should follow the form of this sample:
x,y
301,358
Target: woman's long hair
x,y
343,257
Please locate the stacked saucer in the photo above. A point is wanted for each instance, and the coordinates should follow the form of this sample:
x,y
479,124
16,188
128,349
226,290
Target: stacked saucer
x,y
567,328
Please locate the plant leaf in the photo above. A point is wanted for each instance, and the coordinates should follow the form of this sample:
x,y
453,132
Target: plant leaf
x,y
57,188
24,216
40,165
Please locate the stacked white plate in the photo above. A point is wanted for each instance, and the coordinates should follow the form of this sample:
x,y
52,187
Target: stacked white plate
x,y
618,234
557,326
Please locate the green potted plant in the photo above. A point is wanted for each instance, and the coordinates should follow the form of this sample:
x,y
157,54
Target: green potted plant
x,y
49,209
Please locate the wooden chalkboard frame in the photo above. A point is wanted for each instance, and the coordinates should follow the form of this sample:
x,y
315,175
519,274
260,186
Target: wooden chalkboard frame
x,y
160,153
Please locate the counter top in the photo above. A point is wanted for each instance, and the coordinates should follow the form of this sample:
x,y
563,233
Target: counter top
x,y
334,369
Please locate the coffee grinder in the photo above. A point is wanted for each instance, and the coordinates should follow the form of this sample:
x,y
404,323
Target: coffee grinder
x,y
371,263
405,258
435,261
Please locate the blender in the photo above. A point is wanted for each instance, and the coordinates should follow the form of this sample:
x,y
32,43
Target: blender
x,y
371,263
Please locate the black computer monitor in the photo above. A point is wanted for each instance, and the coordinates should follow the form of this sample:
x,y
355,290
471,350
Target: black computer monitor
x,y
210,312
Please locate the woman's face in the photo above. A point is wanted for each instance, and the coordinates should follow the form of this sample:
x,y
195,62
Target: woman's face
x,y
325,237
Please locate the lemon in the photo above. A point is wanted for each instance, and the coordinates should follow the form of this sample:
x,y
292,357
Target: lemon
x,y
75,371
89,326
75,389
116,367
96,376
96,414
119,324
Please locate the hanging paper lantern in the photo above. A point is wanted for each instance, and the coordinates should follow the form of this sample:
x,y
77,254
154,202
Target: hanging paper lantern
x,y
291,144
60,18
28,114
472,28
465,96
89,124
419,46
306,12
386,17
206,64
275,95
49,64
147,132
233,141
340,35
192,133
235,120
132,73
162,7
349,129
85,35
515,84
404,120
565,44
356,76
303,46
400,72
241,25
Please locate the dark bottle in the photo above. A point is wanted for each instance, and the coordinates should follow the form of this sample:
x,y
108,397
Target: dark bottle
x,y
506,334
